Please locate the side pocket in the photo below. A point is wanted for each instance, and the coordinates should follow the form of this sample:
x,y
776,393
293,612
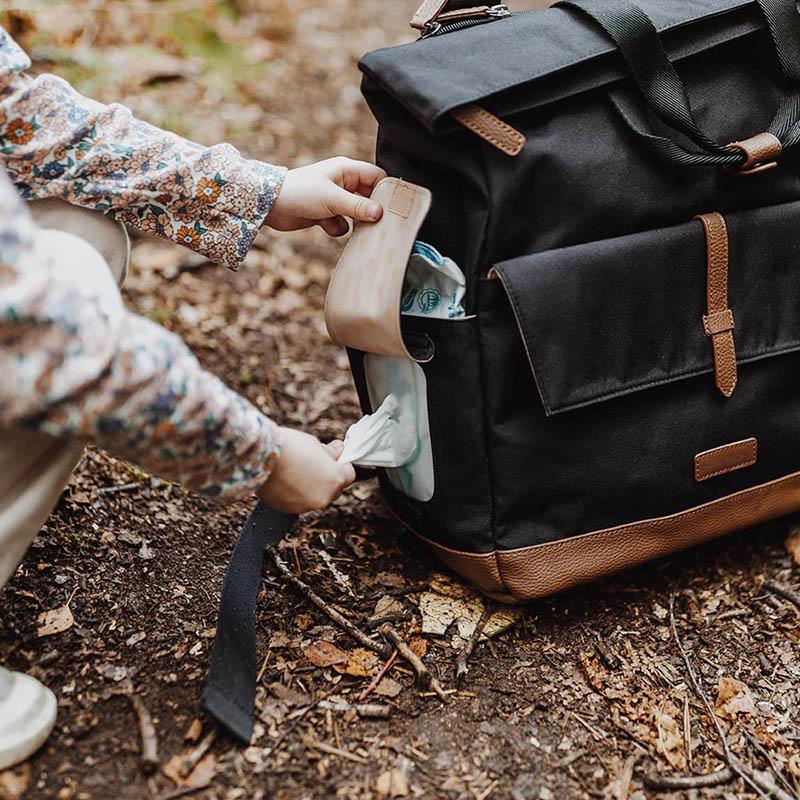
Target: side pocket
x,y
458,514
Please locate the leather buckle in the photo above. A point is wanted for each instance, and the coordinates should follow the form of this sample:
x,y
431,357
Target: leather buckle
x,y
761,152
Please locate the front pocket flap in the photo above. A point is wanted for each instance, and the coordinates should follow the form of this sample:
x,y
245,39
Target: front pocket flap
x,y
608,318
362,307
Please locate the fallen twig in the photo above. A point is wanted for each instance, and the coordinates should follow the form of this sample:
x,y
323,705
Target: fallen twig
x,y
424,675
677,783
731,760
368,710
147,731
355,633
770,760
626,776
784,591
192,758
462,662
378,678
276,744
125,487
324,747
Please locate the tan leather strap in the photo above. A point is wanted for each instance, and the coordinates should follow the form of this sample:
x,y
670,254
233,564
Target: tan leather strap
x,y
761,151
427,12
462,13
718,323
490,128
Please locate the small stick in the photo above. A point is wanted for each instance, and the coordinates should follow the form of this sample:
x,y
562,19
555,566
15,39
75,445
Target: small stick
x,y
147,731
296,722
677,783
733,762
462,666
687,733
324,747
784,591
369,710
378,678
424,675
351,630
626,776
192,758
398,616
775,768
125,487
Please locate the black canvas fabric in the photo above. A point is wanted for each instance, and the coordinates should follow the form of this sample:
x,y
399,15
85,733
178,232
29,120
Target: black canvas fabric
x,y
591,231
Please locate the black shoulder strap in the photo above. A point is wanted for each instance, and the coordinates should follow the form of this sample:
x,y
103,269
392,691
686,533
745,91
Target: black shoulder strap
x,y
230,688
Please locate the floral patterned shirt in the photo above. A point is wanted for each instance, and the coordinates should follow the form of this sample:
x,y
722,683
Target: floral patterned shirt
x,y
74,362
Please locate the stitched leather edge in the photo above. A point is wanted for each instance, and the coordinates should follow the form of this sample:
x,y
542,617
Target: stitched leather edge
x,y
527,573
750,455
490,128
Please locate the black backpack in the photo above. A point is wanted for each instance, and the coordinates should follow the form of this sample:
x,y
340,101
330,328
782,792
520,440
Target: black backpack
x,y
625,382
621,187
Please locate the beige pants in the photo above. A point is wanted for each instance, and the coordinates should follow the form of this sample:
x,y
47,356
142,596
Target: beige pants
x,y
34,467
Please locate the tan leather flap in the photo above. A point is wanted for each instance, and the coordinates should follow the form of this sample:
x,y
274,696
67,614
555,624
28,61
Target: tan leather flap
x,y
362,308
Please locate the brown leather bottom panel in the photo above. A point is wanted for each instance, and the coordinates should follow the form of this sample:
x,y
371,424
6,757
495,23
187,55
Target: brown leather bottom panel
x,y
543,569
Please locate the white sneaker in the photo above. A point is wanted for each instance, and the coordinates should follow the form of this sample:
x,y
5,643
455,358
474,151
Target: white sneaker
x,y
27,716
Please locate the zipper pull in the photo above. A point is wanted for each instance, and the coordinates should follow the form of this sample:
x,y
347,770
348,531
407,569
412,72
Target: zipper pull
x,y
457,20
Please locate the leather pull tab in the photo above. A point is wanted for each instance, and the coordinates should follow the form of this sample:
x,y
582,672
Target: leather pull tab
x,y
362,307
718,323
427,13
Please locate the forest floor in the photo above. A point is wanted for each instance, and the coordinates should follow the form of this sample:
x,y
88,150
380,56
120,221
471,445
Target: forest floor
x,y
583,695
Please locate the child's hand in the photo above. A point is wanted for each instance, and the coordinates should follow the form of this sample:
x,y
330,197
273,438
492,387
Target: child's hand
x,y
307,474
324,194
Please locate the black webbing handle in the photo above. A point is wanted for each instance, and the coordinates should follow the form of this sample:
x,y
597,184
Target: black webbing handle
x,y
230,689
656,77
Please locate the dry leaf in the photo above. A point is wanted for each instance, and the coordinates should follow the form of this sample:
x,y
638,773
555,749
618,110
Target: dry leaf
x,y
392,783
733,697
14,783
324,654
200,777
418,645
57,620
501,620
193,732
387,605
793,546
439,612
361,663
388,688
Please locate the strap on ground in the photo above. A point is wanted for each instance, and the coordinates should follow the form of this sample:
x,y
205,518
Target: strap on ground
x,y
230,689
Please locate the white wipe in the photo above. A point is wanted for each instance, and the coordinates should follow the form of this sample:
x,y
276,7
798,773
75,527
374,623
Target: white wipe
x,y
434,285
387,438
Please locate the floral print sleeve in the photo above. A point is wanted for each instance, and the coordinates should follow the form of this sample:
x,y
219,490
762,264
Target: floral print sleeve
x,y
76,363
56,143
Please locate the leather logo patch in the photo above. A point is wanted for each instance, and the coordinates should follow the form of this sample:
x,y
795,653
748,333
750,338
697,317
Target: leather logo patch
x,y
724,459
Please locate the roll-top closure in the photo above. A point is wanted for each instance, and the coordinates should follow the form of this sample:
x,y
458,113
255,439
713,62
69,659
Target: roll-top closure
x,y
553,52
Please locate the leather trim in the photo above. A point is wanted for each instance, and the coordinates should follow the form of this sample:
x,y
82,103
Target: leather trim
x,y
462,13
718,323
427,12
760,151
490,128
531,572
727,458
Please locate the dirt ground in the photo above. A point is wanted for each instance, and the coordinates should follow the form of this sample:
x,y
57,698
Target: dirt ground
x,y
584,695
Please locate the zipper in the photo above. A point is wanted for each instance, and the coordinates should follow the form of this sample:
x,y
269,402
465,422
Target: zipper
x,y
499,11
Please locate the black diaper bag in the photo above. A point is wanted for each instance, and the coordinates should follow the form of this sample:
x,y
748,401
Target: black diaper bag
x,y
620,184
